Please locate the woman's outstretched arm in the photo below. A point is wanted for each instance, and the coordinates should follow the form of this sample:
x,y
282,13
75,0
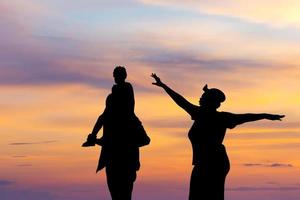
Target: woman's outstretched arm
x,y
249,117
179,100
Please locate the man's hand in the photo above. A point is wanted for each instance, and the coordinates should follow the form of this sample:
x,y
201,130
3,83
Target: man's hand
x,y
274,117
157,79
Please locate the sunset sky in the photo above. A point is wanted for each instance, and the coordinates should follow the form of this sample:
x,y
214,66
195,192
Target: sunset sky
x,y
56,62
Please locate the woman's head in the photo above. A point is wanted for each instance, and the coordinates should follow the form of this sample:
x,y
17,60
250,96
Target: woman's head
x,y
211,98
119,74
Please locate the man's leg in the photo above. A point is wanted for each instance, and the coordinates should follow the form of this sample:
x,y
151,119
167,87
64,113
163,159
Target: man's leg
x,y
120,182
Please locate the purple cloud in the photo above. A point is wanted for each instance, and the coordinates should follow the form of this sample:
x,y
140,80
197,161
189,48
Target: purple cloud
x,y
19,156
254,188
17,194
252,164
31,143
24,165
165,57
5,182
279,165
267,165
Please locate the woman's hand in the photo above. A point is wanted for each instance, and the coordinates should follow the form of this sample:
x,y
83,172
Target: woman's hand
x,y
158,81
274,117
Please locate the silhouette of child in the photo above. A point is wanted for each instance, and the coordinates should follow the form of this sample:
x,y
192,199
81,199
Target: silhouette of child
x,y
210,160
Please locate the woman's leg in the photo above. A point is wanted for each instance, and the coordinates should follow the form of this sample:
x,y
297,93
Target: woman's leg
x,y
199,184
222,169
208,180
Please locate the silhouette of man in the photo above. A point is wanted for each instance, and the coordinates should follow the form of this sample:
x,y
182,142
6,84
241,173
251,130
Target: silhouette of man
x,y
211,164
123,134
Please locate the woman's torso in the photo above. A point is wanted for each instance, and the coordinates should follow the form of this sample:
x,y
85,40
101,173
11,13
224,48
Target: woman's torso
x,y
206,135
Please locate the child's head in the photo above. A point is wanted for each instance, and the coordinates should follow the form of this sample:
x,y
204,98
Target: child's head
x,y
119,74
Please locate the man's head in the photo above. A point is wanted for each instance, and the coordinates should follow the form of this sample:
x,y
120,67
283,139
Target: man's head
x,y
119,74
212,98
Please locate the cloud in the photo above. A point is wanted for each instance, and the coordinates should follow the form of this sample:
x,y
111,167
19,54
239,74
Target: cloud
x,y
92,189
194,61
5,182
31,64
252,164
280,13
32,143
275,165
250,188
25,194
271,183
56,56
280,165
90,5
24,165
19,156
28,57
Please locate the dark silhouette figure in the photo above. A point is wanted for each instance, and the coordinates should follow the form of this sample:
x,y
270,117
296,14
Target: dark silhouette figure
x,y
211,164
123,134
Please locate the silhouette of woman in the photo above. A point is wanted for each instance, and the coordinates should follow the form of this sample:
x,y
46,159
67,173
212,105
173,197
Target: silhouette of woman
x,y
211,164
123,134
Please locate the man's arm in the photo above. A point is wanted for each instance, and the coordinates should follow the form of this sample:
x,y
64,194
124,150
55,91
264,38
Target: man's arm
x,y
179,100
98,125
92,137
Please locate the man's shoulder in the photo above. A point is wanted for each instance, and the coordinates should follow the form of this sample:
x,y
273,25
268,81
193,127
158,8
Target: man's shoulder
x,y
125,84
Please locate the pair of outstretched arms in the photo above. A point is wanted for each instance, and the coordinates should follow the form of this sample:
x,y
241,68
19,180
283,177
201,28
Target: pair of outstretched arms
x,y
189,107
